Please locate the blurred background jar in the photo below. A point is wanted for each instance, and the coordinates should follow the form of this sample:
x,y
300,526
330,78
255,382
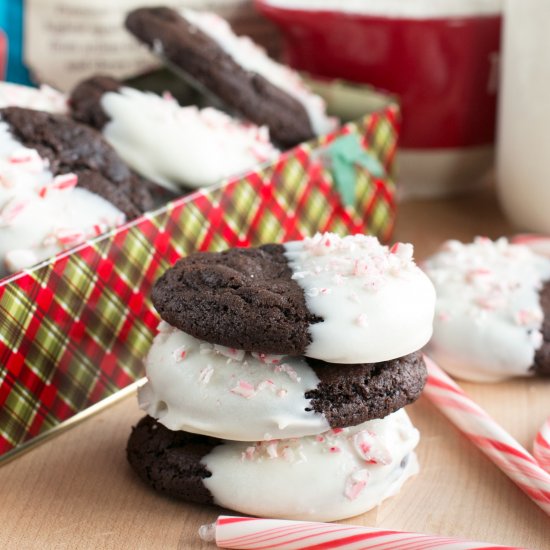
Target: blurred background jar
x,y
523,163
439,56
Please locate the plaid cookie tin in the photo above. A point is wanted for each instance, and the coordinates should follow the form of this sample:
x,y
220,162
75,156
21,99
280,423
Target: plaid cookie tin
x,y
74,330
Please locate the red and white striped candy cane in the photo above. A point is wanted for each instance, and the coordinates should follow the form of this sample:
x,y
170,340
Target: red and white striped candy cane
x,y
541,446
490,438
242,533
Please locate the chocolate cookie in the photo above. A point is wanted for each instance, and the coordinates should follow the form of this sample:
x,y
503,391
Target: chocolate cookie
x,y
493,310
203,47
342,300
240,298
71,147
227,393
320,478
170,461
358,393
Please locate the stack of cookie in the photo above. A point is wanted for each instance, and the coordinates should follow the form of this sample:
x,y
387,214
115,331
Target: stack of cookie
x,y
276,382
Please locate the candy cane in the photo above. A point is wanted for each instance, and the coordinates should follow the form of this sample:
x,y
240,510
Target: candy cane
x,y
541,446
490,438
242,533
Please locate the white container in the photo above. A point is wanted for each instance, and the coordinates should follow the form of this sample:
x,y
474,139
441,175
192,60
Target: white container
x,y
523,155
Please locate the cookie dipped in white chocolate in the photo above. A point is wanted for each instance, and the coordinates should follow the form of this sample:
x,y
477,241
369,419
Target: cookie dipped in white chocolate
x,y
253,58
336,475
41,213
181,146
227,393
488,315
376,304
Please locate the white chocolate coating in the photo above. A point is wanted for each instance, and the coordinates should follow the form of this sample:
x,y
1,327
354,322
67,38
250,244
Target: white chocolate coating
x,y
40,99
181,146
42,214
376,303
336,475
488,318
253,58
227,393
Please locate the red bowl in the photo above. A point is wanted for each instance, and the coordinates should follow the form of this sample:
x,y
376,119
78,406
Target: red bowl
x,y
444,68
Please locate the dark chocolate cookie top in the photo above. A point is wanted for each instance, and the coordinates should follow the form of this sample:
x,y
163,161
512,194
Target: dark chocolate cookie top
x,y
240,298
200,56
73,147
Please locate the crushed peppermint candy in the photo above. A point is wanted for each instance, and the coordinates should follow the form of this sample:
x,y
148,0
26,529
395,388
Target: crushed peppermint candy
x,y
231,353
267,358
206,374
248,454
370,448
68,238
287,369
244,389
12,210
289,450
271,449
357,256
356,483
179,354
265,384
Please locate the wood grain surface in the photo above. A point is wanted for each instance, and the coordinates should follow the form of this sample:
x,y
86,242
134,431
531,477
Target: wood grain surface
x,y
76,490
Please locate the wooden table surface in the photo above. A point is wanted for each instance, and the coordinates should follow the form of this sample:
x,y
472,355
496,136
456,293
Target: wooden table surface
x,y
76,490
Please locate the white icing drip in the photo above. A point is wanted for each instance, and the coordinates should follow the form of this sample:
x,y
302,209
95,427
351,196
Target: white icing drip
x,y
418,9
253,58
42,214
41,99
320,478
376,303
227,393
488,312
181,146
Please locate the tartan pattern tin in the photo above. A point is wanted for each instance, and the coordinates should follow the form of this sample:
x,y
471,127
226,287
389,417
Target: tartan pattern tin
x,y
74,330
